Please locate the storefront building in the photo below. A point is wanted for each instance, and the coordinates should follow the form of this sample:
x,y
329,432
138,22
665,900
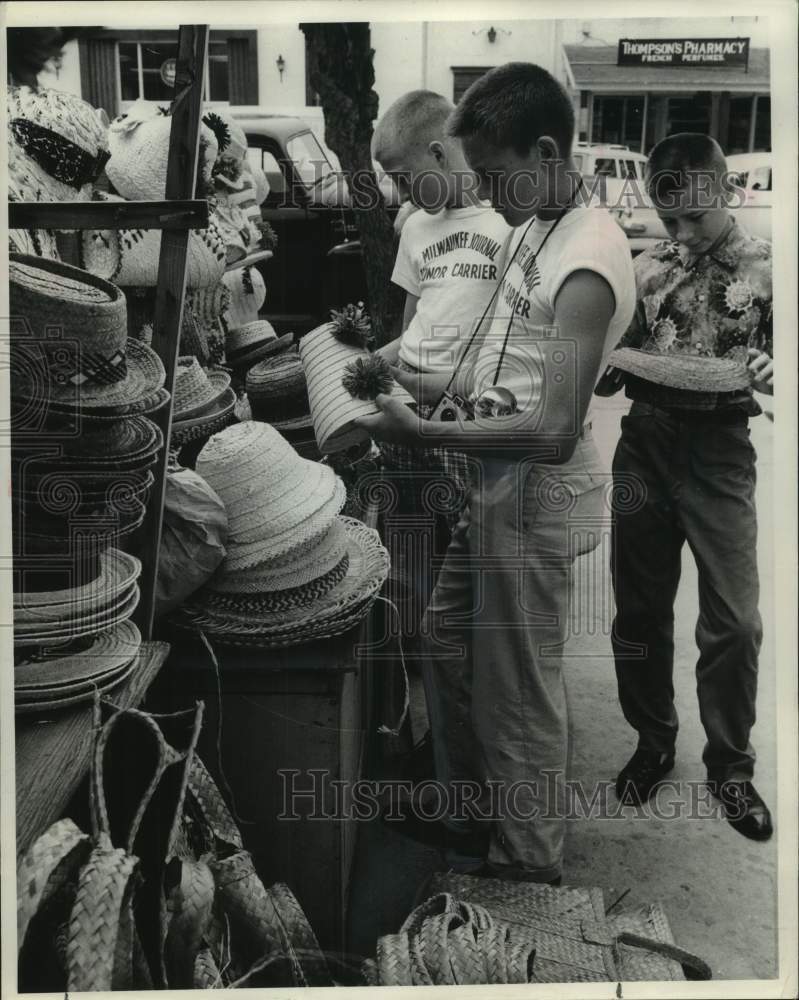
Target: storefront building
x,y
633,81
641,90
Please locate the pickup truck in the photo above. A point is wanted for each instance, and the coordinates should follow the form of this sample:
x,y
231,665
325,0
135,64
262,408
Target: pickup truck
x,y
317,265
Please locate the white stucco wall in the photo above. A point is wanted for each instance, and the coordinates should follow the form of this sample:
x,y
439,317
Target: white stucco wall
x,y
610,30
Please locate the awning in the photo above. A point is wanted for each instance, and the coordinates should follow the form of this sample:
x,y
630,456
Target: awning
x,y
593,67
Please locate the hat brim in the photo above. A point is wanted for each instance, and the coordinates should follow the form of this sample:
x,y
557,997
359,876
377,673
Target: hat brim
x,y
339,609
209,423
145,375
117,571
258,352
220,383
688,372
70,629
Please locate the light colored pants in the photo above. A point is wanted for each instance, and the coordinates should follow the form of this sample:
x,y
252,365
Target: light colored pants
x,y
493,643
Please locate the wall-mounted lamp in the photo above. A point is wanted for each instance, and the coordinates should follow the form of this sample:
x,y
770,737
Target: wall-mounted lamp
x,y
280,62
491,33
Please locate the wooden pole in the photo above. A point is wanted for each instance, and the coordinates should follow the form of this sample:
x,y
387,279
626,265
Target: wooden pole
x,y
71,215
180,184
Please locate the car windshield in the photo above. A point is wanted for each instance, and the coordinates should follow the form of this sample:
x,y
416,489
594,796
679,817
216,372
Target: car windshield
x,y
309,158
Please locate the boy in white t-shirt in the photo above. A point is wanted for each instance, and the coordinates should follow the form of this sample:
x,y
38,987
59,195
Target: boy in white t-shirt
x,y
497,621
449,261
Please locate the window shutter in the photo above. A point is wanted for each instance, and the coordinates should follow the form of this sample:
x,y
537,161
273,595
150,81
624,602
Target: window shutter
x,y
98,73
243,70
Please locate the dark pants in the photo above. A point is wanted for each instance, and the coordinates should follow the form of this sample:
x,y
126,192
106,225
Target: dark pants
x,y
687,477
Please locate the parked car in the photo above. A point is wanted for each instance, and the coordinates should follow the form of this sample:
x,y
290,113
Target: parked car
x,y
318,264
750,173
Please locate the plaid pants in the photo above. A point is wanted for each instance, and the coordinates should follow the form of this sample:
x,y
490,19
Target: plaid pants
x,y
425,493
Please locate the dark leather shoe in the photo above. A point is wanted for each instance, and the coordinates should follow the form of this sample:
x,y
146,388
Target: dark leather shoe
x,y
641,775
744,810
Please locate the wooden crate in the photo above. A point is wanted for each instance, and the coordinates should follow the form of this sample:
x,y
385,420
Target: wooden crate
x,y
301,709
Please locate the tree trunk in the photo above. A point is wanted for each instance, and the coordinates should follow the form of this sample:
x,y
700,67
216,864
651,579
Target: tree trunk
x,y
341,71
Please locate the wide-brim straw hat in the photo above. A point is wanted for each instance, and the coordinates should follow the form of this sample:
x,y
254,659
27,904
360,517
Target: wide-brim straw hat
x,y
40,533
244,345
78,672
139,145
130,257
65,495
333,409
196,388
117,571
342,607
57,145
91,363
267,489
85,622
683,371
124,442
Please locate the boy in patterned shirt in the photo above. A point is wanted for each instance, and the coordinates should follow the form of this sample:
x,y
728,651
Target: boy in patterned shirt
x,y
705,293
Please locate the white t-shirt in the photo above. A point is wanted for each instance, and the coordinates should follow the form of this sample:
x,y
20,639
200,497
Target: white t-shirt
x,y
585,239
452,261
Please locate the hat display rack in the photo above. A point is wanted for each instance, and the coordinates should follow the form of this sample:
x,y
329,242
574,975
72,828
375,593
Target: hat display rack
x,y
92,412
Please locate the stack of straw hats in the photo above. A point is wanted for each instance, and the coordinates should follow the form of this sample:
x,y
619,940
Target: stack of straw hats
x,y
245,345
72,642
82,450
203,402
333,409
295,570
246,295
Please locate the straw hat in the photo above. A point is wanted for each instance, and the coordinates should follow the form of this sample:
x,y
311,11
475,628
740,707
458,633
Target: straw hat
x,y
117,571
234,151
269,492
57,145
74,494
73,677
43,632
91,364
278,393
252,342
216,419
196,389
683,371
333,409
130,257
247,294
139,147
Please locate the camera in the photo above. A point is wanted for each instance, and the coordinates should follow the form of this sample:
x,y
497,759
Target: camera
x,y
452,408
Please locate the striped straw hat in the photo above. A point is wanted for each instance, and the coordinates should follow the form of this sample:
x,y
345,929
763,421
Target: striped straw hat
x,y
269,492
91,363
333,409
683,371
278,392
252,342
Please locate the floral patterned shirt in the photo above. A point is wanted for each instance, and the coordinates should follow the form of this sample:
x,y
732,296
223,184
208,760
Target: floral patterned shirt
x,y
716,304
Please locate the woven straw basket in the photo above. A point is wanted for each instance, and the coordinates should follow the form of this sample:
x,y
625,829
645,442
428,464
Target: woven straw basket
x,y
332,408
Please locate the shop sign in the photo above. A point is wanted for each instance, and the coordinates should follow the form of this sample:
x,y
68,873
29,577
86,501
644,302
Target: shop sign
x,y
684,53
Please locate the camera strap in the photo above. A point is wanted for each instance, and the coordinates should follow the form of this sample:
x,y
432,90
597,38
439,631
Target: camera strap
x,y
531,264
480,322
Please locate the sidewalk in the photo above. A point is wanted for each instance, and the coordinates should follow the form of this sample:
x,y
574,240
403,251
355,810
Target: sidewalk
x,y
718,889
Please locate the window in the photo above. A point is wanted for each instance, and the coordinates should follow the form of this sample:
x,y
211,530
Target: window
x,y
266,161
463,77
309,158
763,124
618,120
144,71
689,114
605,166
